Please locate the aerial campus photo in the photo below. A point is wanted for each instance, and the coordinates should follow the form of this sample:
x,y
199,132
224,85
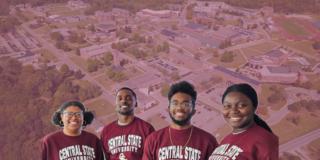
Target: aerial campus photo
x,y
53,51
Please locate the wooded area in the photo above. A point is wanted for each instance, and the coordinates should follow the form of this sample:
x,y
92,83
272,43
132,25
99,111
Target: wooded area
x,y
28,98
279,6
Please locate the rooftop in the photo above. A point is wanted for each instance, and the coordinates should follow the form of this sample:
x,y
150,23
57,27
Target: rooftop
x,y
169,33
281,69
237,75
195,26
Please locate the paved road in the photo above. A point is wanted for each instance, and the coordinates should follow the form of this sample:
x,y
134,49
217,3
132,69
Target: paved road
x,y
300,141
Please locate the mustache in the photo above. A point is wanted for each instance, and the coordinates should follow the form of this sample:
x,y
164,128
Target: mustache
x,y
180,110
123,104
183,122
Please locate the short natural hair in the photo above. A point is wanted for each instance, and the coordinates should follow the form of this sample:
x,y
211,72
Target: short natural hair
x,y
183,87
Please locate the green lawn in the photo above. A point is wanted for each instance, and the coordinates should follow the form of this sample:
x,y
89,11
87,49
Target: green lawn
x,y
79,61
47,55
267,92
293,28
313,149
303,46
287,130
105,81
259,49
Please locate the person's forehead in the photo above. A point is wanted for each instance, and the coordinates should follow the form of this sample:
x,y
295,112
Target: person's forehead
x,y
73,108
124,92
236,96
181,96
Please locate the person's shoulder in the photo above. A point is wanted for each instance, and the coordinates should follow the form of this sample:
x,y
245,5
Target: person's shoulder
x,y
89,134
202,132
52,135
142,122
263,135
158,133
109,126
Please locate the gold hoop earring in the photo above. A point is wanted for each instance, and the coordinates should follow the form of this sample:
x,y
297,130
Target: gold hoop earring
x,y
84,123
61,123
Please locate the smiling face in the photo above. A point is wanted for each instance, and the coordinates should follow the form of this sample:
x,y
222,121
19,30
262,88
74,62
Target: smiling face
x,y
125,102
181,108
238,111
72,118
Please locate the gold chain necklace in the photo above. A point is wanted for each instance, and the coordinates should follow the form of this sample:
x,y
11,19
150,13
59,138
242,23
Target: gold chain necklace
x,y
184,146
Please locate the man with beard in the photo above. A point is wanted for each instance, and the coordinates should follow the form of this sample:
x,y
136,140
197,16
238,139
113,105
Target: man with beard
x,y
124,138
180,140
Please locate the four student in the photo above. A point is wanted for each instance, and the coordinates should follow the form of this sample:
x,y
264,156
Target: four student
x,y
131,138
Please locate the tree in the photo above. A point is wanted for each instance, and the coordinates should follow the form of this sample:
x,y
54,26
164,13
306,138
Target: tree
x,y
107,58
175,76
116,76
91,28
4,8
88,91
92,65
32,95
62,45
227,57
165,90
78,53
174,27
123,62
225,44
65,71
78,74
57,36
136,38
8,23
189,12
316,45
76,38
165,47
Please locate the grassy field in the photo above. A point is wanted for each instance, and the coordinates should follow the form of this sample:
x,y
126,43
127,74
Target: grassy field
x,y
100,106
105,81
62,9
79,61
267,92
238,60
313,149
259,49
43,30
303,46
132,72
28,14
287,130
47,55
293,28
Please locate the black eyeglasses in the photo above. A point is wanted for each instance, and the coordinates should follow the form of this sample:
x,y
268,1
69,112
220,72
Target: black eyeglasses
x,y
70,114
183,104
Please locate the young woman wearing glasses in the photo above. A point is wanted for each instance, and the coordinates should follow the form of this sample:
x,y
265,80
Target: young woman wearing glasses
x,y
72,142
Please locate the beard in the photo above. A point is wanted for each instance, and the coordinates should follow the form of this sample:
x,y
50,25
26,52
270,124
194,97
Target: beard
x,y
125,112
182,122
